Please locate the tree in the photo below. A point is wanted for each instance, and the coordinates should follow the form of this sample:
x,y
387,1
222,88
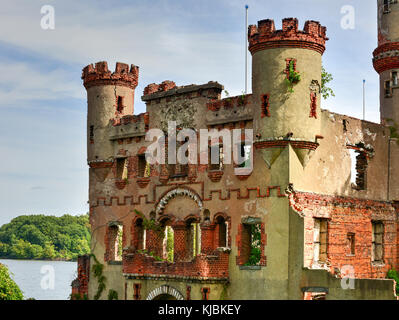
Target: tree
x,y
9,290
325,79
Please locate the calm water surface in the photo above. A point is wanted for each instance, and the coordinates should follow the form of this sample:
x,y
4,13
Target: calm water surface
x,y
43,280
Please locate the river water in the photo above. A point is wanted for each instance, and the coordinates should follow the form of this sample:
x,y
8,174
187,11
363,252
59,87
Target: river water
x,y
43,280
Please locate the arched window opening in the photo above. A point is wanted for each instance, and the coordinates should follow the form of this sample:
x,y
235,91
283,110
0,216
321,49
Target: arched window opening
x,y
115,241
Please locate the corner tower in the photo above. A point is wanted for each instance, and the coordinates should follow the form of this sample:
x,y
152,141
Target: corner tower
x,y
109,97
386,60
286,79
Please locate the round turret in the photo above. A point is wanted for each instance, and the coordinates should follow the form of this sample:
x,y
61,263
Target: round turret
x,y
386,60
110,96
286,79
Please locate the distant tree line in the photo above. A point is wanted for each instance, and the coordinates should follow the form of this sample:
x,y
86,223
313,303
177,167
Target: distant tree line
x,y
41,237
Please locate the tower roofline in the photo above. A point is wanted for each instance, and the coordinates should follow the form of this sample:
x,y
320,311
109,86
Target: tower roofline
x,y
265,36
100,75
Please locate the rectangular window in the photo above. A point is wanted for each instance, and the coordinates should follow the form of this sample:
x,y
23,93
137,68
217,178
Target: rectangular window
x,y
121,168
216,157
386,6
351,243
395,78
388,91
378,241
115,241
251,243
320,234
245,152
143,167
91,134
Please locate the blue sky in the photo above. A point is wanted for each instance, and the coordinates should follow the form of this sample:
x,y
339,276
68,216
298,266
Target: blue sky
x,y
43,102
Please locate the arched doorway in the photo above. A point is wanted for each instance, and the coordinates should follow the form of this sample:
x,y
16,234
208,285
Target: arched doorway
x,y
165,292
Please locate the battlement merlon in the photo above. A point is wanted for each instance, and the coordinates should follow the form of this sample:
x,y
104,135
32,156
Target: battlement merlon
x,y
154,91
265,36
100,75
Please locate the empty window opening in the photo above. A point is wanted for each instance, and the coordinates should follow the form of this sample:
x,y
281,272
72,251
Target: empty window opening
x,y
137,287
168,244
251,244
359,164
91,133
221,226
395,80
115,238
320,233
120,106
216,157
193,238
378,241
388,89
245,153
144,169
121,168
351,242
139,235
265,111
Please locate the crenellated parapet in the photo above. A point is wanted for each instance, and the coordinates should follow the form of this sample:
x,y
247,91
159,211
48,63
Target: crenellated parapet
x,y
100,75
265,36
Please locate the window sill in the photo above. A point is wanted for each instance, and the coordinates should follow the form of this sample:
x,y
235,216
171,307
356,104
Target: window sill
x,y
351,255
377,264
250,267
215,175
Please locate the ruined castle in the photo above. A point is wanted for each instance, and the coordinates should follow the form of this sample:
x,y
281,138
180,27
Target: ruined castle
x,y
316,218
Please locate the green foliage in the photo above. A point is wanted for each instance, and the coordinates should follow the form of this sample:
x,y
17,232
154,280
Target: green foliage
x,y
393,129
255,254
98,269
112,295
170,242
8,288
45,237
223,294
393,274
293,77
326,78
151,224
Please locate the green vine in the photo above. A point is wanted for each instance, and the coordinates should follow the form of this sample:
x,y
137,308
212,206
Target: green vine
x,y
223,294
393,129
255,254
98,269
151,224
293,76
393,274
112,295
326,78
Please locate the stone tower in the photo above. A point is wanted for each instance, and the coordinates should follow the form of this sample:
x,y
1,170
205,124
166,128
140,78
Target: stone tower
x,y
109,97
386,60
290,110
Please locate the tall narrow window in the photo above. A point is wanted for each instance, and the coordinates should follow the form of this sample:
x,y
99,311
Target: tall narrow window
x,y
251,244
143,167
193,238
320,240
395,78
351,243
378,241
91,134
168,244
388,90
245,152
359,164
386,6
216,157
138,235
222,231
115,238
121,168
265,111
119,106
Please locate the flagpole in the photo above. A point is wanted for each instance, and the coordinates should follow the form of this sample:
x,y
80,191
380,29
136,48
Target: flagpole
x,y
246,49
364,99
